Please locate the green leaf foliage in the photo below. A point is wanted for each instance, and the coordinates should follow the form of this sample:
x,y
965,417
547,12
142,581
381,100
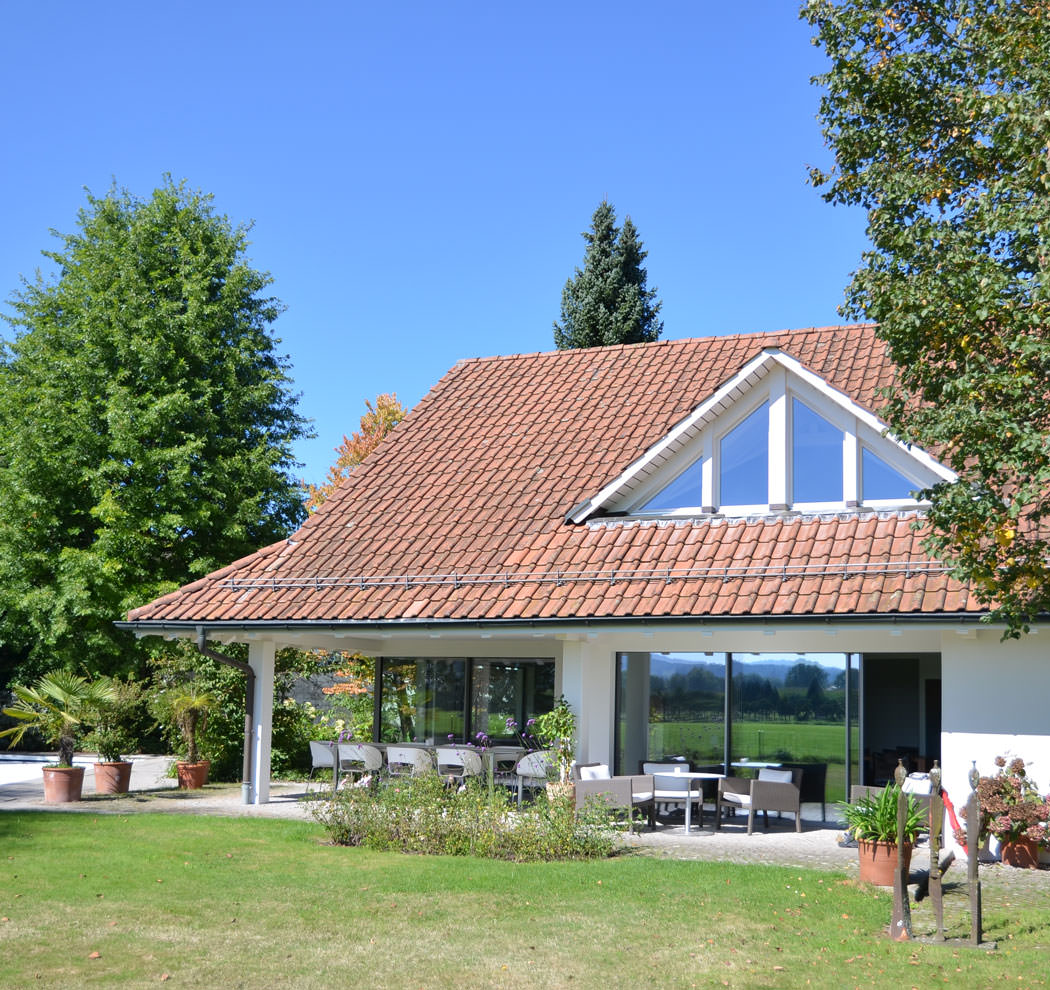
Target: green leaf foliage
x,y
146,424
938,114
608,302
873,818
60,707
180,672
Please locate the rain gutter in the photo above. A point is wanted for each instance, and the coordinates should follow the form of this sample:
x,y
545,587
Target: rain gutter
x,y
158,627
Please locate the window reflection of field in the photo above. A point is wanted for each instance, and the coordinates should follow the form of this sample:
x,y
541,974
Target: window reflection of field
x,y
760,740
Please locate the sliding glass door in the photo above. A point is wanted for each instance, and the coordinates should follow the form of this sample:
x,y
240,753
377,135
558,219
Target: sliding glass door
x,y
741,710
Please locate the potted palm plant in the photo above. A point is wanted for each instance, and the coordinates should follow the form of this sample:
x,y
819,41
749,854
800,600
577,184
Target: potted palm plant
x,y
61,706
184,709
113,736
872,821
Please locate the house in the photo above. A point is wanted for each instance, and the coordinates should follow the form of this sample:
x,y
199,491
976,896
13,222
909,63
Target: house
x,y
711,547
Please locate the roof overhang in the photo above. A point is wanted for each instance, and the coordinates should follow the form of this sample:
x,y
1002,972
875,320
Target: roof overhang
x,y
397,627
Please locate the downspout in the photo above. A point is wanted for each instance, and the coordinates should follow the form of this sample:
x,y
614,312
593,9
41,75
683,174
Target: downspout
x,y
249,708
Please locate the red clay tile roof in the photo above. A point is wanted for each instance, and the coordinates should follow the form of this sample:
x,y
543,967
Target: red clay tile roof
x,y
460,514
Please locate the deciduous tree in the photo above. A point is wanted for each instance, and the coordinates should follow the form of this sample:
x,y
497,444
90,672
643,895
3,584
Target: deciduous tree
x,y
146,424
376,423
608,301
936,111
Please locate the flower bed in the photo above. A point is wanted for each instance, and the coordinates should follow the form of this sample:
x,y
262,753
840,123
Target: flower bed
x,y
423,815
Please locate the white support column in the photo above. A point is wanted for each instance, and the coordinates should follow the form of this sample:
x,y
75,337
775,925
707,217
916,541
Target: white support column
x,y
850,467
588,683
261,657
707,473
778,441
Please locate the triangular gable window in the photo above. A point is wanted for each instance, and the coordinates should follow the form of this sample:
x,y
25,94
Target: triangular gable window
x,y
775,437
880,481
743,460
816,456
682,491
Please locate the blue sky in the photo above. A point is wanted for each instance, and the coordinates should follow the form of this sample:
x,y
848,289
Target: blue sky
x,y
419,173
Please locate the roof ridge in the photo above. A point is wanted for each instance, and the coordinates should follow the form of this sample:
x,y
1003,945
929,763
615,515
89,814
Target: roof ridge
x,y
737,335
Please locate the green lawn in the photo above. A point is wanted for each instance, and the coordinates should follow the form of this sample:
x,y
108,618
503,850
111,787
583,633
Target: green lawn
x,y
194,901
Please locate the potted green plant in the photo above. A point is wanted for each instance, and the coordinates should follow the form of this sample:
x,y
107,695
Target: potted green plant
x,y
184,709
113,736
556,732
60,707
872,821
1013,811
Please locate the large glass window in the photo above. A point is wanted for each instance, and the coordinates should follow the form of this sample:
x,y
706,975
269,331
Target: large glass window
x,y
428,700
785,708
683,492
508,689
744,461
670,704
790,708
422,700
816,456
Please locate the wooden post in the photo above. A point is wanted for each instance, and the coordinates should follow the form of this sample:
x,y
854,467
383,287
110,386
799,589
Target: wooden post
x,y
973,832
936,828
900,926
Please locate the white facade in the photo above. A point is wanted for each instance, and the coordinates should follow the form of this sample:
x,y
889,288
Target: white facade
x,y
993,692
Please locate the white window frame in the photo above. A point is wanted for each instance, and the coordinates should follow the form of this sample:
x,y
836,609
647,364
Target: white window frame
x,y
777,379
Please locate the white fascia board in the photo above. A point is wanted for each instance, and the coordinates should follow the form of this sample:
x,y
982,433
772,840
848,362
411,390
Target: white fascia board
x,y
658,452
758,367
869,419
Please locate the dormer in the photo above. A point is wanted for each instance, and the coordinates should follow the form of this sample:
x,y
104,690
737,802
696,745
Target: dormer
x,y
774,438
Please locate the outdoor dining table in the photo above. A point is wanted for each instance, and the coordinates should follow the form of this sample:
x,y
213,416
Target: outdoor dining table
x,y
746,764
689,775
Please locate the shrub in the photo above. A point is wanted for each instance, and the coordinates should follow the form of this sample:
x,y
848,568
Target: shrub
x,y
222,739
1011,805
121,722
423,814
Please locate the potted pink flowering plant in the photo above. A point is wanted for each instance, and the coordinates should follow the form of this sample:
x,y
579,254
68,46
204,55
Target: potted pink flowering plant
x,y
1014,812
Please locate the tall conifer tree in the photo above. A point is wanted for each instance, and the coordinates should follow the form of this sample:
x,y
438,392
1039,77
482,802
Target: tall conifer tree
x,y
608,301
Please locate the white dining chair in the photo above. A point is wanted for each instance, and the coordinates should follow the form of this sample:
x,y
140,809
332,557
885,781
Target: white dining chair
x,y
671,792
322,757
504,761
533,771
408,760
358,759
458,762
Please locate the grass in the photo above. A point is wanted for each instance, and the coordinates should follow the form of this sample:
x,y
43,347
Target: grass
x,y
199,901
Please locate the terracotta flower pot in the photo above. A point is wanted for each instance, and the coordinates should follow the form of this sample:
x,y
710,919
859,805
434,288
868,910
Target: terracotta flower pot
x,y
63,784
192,776
878,861
113,778
1023,853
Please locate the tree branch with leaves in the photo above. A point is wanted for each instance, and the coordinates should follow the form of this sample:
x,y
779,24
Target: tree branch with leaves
x,y
376,423
937,115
